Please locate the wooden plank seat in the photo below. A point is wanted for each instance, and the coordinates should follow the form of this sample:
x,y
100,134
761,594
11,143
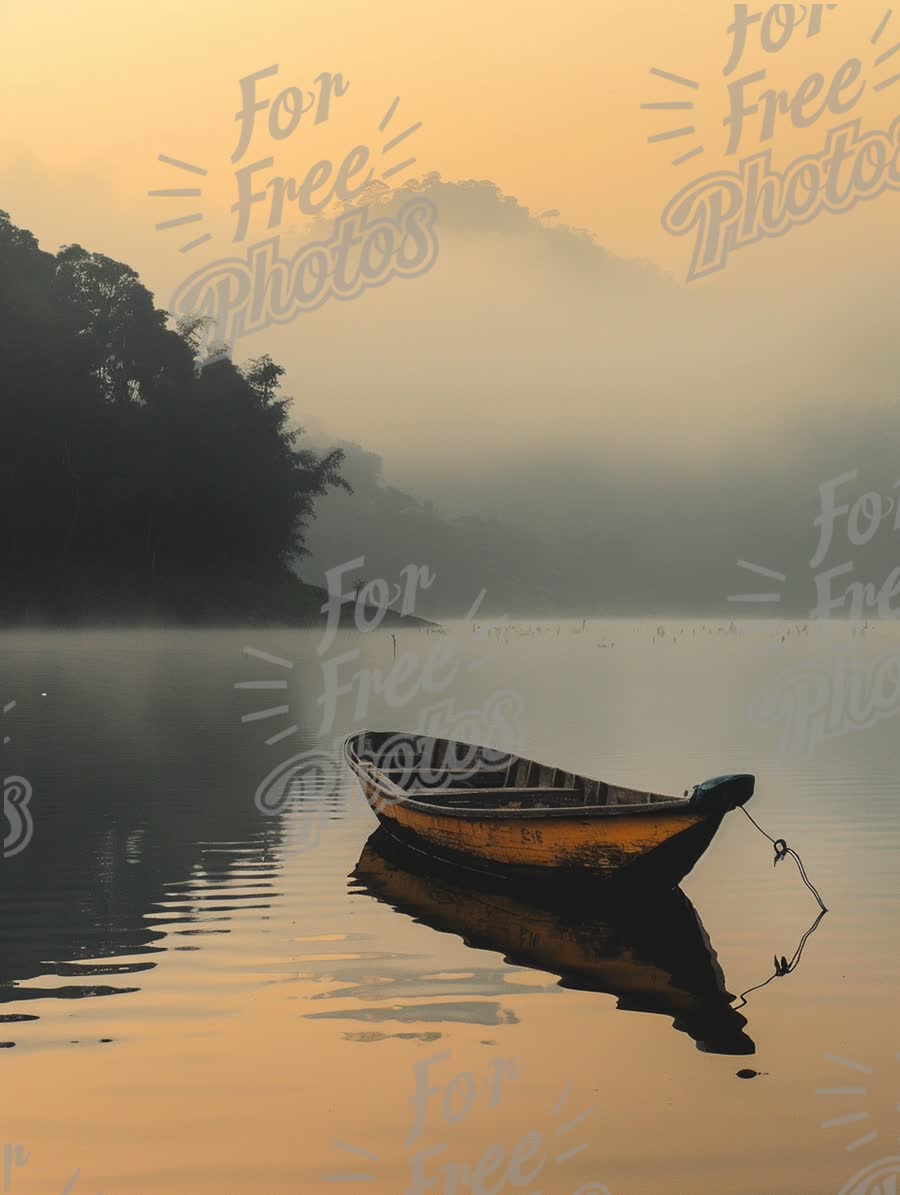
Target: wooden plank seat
x,y
493,779
531,788
473,771
535,796
523,798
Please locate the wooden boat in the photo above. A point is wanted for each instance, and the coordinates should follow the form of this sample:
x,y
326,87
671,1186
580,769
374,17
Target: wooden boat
x,y
492,811
653,957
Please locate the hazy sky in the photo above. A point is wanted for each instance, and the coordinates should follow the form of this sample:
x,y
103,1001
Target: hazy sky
x,y
535,367
543,100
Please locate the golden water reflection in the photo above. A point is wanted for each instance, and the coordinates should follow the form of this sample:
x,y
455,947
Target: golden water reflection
x,y
654,957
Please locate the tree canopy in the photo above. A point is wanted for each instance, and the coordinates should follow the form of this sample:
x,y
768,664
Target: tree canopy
x,y
136,481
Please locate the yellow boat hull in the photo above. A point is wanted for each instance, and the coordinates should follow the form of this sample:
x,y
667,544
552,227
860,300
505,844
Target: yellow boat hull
x,y
571,826
536,842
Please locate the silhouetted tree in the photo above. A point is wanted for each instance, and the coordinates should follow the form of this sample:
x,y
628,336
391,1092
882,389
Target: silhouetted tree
x,y
132,481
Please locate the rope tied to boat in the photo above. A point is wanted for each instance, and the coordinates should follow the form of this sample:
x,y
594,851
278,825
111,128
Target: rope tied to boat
x,y
782,965
782,850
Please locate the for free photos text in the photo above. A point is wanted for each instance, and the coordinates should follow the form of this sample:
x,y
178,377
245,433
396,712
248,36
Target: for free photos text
x,y
838,690
454,1099
408,675
726,210
861,517
240,295
18,828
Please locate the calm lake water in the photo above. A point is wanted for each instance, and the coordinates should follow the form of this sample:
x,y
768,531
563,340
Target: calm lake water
x,y
199,996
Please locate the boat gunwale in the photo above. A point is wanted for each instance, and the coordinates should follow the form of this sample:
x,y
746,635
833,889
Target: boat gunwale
x,y
569,812
392,793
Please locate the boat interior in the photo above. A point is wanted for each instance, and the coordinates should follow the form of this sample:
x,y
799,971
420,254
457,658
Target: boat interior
x,y
461,775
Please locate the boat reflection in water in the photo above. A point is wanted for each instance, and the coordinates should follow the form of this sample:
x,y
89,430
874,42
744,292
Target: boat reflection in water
x,y
654,958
